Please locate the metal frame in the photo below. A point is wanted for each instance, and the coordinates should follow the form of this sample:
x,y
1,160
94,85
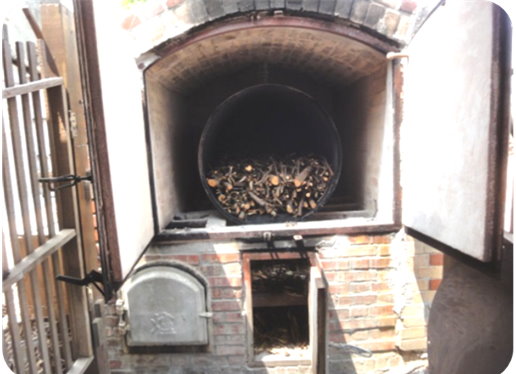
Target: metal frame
x,y
38,127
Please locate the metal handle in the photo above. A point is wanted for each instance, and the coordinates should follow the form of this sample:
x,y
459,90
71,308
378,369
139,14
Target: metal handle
x,y
71,178
92,277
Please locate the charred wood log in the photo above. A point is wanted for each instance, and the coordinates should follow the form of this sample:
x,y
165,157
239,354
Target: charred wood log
x,y
291,186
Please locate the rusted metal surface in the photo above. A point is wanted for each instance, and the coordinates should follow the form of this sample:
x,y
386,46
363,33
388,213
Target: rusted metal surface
x,y
90,75
277,230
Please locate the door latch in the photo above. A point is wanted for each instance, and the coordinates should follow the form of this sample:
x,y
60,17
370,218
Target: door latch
x,y
70,180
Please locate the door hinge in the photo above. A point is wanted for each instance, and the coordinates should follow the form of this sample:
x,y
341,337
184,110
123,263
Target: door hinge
x,y
70,180
72,119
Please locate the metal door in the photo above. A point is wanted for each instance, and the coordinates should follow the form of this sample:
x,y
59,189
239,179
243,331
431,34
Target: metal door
x,y
455,129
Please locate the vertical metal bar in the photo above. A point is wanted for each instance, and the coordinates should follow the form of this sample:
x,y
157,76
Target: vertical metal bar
x,y
11,219
50,214
29,135
24,202
11,317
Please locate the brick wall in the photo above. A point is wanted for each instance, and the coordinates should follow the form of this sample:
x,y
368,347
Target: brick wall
x,y
154,21
380,290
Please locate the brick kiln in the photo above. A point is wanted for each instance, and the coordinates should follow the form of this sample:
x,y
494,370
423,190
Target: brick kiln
x,y
225,288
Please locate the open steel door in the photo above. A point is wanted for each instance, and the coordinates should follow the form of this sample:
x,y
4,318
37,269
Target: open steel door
x,y
455,129
117,141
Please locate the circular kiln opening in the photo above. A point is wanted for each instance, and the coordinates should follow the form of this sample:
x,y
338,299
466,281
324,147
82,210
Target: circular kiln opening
x,y
269,153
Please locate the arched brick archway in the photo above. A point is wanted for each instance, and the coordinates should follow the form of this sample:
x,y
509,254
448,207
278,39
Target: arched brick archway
x,y
155,21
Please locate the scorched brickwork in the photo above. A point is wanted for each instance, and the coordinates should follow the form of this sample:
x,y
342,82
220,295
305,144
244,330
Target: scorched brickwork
x,y
380,288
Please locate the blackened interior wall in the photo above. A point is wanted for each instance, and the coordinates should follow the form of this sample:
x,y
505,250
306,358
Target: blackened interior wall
x,y
179,112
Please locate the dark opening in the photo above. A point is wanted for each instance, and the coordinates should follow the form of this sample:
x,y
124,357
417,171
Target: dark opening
x,y
269,121
280,304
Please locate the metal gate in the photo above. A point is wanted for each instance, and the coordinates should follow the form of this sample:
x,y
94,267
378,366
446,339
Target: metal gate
x,y
46,326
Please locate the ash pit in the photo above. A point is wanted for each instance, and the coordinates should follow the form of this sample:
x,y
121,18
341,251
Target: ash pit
x,y
280,306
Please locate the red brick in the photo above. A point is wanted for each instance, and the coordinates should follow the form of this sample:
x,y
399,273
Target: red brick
x,y
369,322
434,284
378,345
413,344
360,264
360,250
384,250
338,289
359,287
385,298
356,335
228,328
335,264
190,259
380,262
225,293
360,275
339,314
225,305
359,239
360,311
331,276
382,333
381,286
381,239
351,300
227,317
225,282
381,310
221,257
436,259
212,270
